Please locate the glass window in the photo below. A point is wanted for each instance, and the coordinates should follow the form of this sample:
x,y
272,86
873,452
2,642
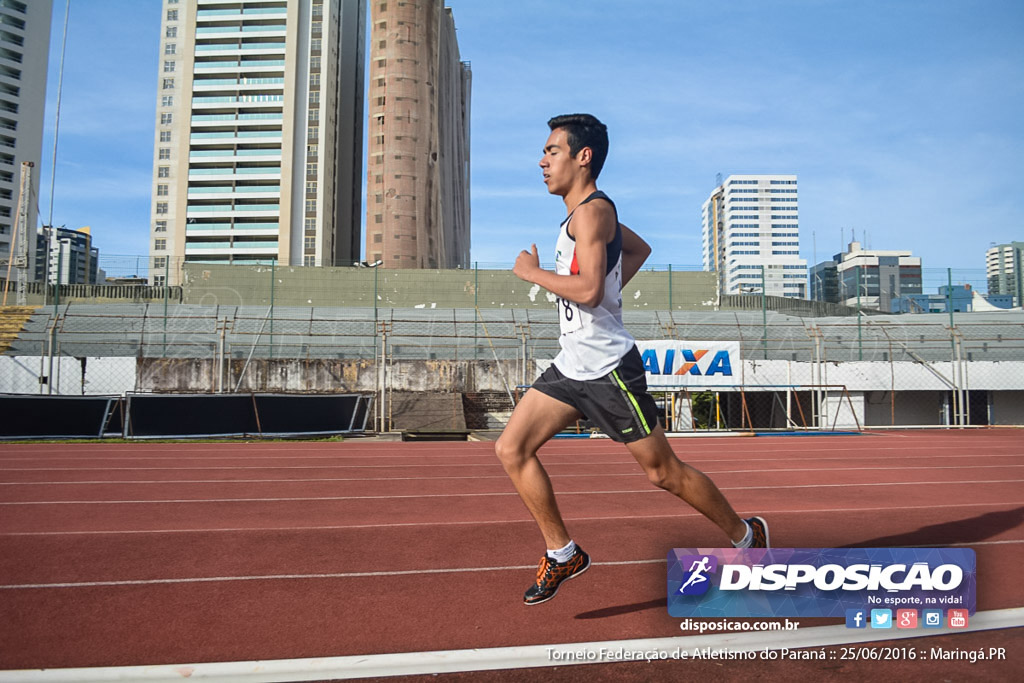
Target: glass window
x,y
161,190
165,153
168,67
172,15
170,49
165,136
166,119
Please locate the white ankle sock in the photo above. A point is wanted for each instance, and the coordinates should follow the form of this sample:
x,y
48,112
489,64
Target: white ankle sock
x,y
746,541
563,554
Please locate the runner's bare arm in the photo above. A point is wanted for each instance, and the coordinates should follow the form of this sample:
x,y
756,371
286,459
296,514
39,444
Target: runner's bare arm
x,y
634,252
593,226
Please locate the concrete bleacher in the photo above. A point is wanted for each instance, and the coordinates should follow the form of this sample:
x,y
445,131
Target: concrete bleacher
x,y
12,322
193,331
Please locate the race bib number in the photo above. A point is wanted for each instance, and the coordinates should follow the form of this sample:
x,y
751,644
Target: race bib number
x,y
570,319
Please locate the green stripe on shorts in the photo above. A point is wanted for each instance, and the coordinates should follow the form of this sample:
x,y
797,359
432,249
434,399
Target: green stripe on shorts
x,y
636,406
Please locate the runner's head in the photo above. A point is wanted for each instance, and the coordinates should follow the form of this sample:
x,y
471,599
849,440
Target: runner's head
x,y
584,131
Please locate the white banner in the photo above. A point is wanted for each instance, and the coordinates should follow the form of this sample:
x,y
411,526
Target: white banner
x,y
691,363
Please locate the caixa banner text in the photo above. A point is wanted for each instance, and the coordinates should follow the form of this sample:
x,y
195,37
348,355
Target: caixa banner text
x,y
690,363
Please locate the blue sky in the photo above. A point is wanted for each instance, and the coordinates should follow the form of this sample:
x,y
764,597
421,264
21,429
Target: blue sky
x,y
901,118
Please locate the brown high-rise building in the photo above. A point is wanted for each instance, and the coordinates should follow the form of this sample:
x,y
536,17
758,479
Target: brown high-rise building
x,y
417,213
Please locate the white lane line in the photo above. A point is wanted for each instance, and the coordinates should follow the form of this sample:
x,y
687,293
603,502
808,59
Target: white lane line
x,y
291,499
286,577
748,453
362,575
345,451
483,522
493,463
638,473
501,658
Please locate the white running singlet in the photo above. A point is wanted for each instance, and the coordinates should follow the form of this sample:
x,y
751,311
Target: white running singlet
x,y
593,339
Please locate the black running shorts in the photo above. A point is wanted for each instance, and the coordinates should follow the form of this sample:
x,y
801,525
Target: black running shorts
x,y
618,403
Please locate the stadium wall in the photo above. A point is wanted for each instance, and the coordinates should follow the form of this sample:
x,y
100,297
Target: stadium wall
x,y
921,397
115,375
357,287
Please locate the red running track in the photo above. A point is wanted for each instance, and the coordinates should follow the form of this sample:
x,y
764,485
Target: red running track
x,y
169,553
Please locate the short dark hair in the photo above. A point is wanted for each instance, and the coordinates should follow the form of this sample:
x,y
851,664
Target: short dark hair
x,y
584,130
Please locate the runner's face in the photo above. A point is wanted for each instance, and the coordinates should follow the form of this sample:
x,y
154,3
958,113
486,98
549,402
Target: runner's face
x,y
557,165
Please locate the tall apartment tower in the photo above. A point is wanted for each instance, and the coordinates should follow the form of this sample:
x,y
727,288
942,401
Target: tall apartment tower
x,y
750,222
258,150
1004,266
24,54
417,205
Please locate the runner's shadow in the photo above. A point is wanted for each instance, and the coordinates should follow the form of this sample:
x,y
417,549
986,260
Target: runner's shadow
x,y
623,609
972,529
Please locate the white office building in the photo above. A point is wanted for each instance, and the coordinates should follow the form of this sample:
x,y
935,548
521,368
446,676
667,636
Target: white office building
x,y
24,54
751,234
258,150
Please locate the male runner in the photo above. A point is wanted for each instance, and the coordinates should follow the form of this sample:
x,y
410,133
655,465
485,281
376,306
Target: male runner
x,y
598,373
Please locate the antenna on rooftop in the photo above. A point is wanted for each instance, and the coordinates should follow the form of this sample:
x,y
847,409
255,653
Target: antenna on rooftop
x,y
718,179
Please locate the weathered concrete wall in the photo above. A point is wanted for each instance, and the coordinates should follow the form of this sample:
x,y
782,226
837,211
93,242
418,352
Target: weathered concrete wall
x,y
321,375
357,287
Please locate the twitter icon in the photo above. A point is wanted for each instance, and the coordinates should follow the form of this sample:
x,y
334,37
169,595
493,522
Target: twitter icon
x,y
881,618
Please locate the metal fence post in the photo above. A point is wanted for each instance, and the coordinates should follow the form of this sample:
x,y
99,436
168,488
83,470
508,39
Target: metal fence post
x,y
167,290
764,315
273,277
476,307
957,408
670,288
860,340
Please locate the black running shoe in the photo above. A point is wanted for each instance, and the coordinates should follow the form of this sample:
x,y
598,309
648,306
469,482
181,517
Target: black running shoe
x,y
551,574
760,529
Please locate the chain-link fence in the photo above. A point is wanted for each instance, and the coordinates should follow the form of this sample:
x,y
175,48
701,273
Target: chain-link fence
x,y
454,349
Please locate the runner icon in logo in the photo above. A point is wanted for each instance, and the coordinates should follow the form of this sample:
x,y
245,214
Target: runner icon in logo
x,y
698,570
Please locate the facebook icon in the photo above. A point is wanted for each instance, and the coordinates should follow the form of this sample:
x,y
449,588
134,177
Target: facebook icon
x,y
856,618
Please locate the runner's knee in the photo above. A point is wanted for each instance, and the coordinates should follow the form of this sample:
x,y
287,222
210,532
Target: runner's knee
x,y
659,476
670,475
511,453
